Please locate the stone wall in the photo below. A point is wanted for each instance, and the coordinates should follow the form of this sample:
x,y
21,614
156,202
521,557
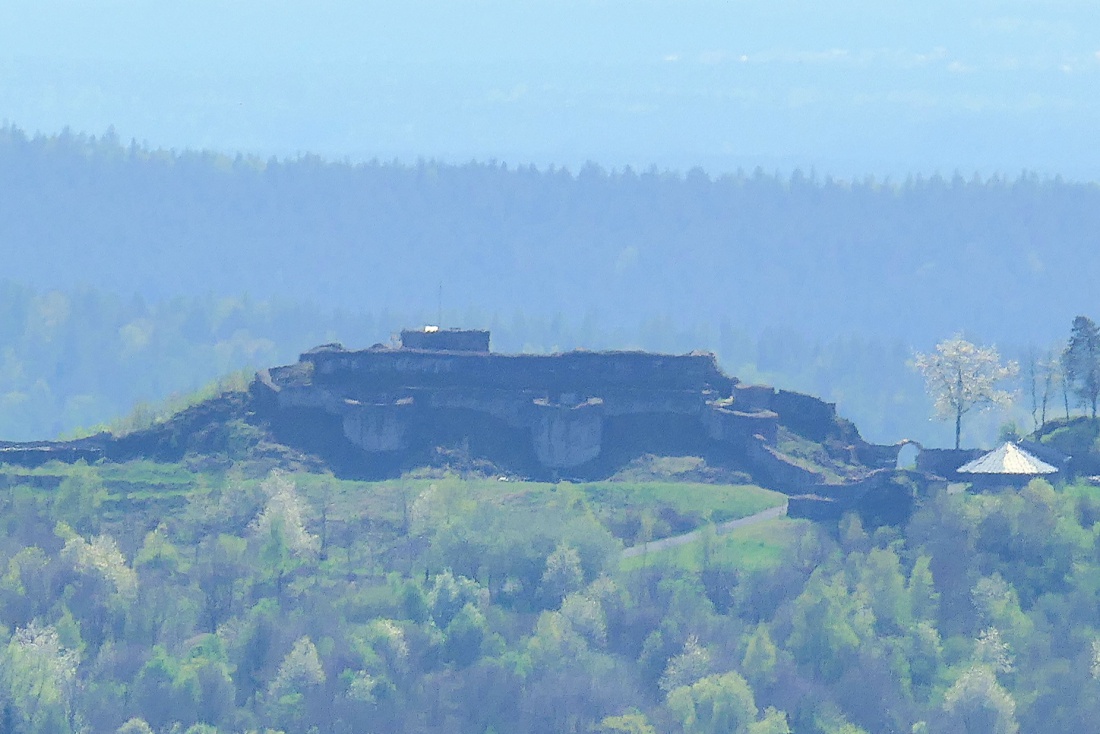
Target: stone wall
x,y
37,455
883,497
588,412
447,340
778,471
737,427
751,398
805,415
876,456
816,508
586,374
944,462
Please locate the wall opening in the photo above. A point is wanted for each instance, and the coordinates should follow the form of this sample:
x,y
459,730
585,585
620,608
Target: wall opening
x,y
907,455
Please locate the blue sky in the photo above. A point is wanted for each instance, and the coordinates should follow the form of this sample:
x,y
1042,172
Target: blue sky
x,y
847,88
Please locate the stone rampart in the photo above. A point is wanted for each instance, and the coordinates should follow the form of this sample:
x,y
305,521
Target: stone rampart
x,y
735,426
816,508
751,398
586,374
37,455
447,340
876,456
780,472
805,415
577,411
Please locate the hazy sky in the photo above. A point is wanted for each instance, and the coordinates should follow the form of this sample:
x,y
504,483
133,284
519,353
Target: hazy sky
x,y
848,87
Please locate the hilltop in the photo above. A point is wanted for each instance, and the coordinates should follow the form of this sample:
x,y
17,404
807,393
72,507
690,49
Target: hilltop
x,y
441,397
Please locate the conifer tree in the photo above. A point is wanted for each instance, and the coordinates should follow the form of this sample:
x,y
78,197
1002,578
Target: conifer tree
x,y
1082,362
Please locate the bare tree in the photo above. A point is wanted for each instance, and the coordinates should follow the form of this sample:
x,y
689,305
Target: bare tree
x,y
1031,372
1050,372
961,376
1064,382
1042,376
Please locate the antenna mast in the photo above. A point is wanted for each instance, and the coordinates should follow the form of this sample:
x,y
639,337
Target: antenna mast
x,y
439,303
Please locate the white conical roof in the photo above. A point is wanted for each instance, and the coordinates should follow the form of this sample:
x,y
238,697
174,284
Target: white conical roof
x,y
1008,459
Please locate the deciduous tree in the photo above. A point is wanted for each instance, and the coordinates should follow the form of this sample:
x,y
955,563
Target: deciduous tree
x,y
39,674
297,685
715,704
977,704
962,376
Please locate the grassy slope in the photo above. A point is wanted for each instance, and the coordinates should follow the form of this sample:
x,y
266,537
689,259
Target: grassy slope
x,y
671,507
751,548
629,509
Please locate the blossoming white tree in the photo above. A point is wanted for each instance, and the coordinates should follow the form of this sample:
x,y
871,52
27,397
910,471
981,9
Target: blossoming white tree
x,y
284,513
38,674
962,376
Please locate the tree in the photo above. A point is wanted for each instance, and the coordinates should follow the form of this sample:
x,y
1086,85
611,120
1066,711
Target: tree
x,y
284,512
102,559
298,684
221,567
78,498
829,625
715,704
632,722
761,656
563,574
687,667
38,674
285,543
1064,382
1050,371
961,376
1032,369
464,636
977,704
163,692
1082,362
135,726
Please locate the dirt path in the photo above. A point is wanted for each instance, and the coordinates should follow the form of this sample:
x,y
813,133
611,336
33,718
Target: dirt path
x,y
721,529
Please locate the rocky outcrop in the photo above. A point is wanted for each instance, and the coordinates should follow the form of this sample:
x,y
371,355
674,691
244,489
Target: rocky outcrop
x,y
568,435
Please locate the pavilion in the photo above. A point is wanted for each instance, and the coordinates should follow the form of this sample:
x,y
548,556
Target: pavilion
x,y
1007,465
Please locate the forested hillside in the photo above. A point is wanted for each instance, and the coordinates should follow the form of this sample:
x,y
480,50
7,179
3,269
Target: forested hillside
x,y
135,274
1008,260
144,598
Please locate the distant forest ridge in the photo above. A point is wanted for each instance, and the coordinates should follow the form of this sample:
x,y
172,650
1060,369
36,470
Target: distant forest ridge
x,y
133,274
1007,260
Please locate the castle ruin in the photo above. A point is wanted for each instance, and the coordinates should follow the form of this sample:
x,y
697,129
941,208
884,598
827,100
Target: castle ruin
x,y
577,414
